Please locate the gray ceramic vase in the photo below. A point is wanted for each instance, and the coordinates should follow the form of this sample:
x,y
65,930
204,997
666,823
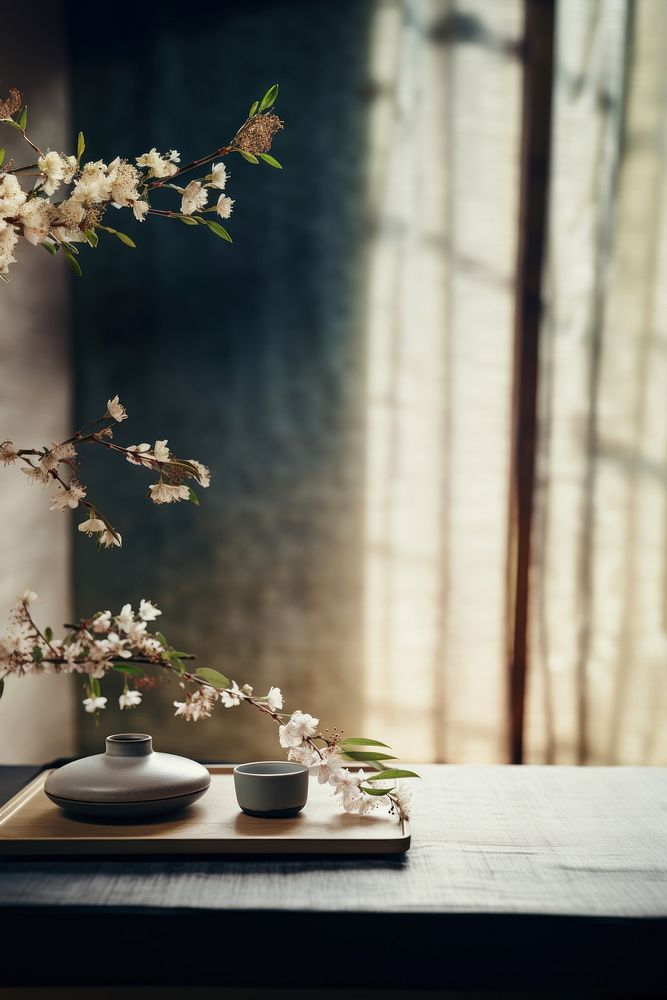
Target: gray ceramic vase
x,y
129,781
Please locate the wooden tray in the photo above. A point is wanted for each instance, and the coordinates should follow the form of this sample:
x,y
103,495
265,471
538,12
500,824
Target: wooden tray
x,y
32,826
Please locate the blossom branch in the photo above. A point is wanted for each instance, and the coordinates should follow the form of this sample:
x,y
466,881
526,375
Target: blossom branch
x,y
80,216
46,465
103,644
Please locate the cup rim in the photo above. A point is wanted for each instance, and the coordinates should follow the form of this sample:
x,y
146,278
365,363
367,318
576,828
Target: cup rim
x,y
296,768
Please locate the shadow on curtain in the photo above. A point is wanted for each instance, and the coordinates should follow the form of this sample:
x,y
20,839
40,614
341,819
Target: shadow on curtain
x,y
598,688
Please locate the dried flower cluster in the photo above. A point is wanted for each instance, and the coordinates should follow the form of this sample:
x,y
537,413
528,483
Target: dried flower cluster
x,y
85,191
57,465
123,644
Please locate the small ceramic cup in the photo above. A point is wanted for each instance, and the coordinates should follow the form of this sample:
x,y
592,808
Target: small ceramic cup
x,y
272,789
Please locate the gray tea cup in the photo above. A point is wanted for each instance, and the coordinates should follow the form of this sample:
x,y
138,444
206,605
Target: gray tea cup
x,y
272,789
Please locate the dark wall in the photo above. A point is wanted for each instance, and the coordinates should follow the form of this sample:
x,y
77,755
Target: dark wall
x,y
248,357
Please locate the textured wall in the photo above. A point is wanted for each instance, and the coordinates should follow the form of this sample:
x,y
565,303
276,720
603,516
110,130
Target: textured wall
x,y
246,357
36,714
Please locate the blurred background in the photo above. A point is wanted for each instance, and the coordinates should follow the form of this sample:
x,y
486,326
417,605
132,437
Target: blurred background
x,y
438,512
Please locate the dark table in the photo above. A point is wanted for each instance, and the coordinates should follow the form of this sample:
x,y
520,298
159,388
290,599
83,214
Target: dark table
x,y
519,878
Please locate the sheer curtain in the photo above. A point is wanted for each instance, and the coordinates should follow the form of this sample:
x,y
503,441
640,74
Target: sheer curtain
x,y
443,182
598,684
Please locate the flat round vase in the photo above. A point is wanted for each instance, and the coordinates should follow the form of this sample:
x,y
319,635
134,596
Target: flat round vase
x,y
128,781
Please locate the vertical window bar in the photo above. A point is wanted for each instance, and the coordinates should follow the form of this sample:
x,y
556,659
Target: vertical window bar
x,y
533,203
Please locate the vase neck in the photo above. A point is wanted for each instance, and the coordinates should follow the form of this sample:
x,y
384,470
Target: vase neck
x,y
129,745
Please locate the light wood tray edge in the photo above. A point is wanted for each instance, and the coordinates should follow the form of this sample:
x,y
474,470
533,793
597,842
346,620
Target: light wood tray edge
x,y
105,846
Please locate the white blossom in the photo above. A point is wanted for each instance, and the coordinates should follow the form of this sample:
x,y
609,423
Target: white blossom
x,y
67,217
330,767
129,699
232,696
92,526
346,784
136,632
68,498
198,705
102,622
300,727
37,475
115,646
224,206
274,699
135,452
12,196
35,217
150,647
116,409
56,168
8,241
8,453
124,183
194,197
303,755
404,799
126,617
203,472
28,597
95,704
165,493
148,612
108,539
219,176
159,166
57,454
94,184
140,210
161,452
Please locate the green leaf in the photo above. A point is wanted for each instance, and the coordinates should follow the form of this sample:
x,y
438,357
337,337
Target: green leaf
x,y
186,220
2,156
128,668
10,121
161,637
269,98
362,755
193,498
48,633
92,237
271,160
80,145
219,230
95,687
376,791
362,742
391,774
248,156
213,677
124,239
37,654
73,262
23,118
253,109
50,247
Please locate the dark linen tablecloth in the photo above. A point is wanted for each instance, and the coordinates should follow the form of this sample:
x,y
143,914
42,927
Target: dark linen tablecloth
x,y
517,878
